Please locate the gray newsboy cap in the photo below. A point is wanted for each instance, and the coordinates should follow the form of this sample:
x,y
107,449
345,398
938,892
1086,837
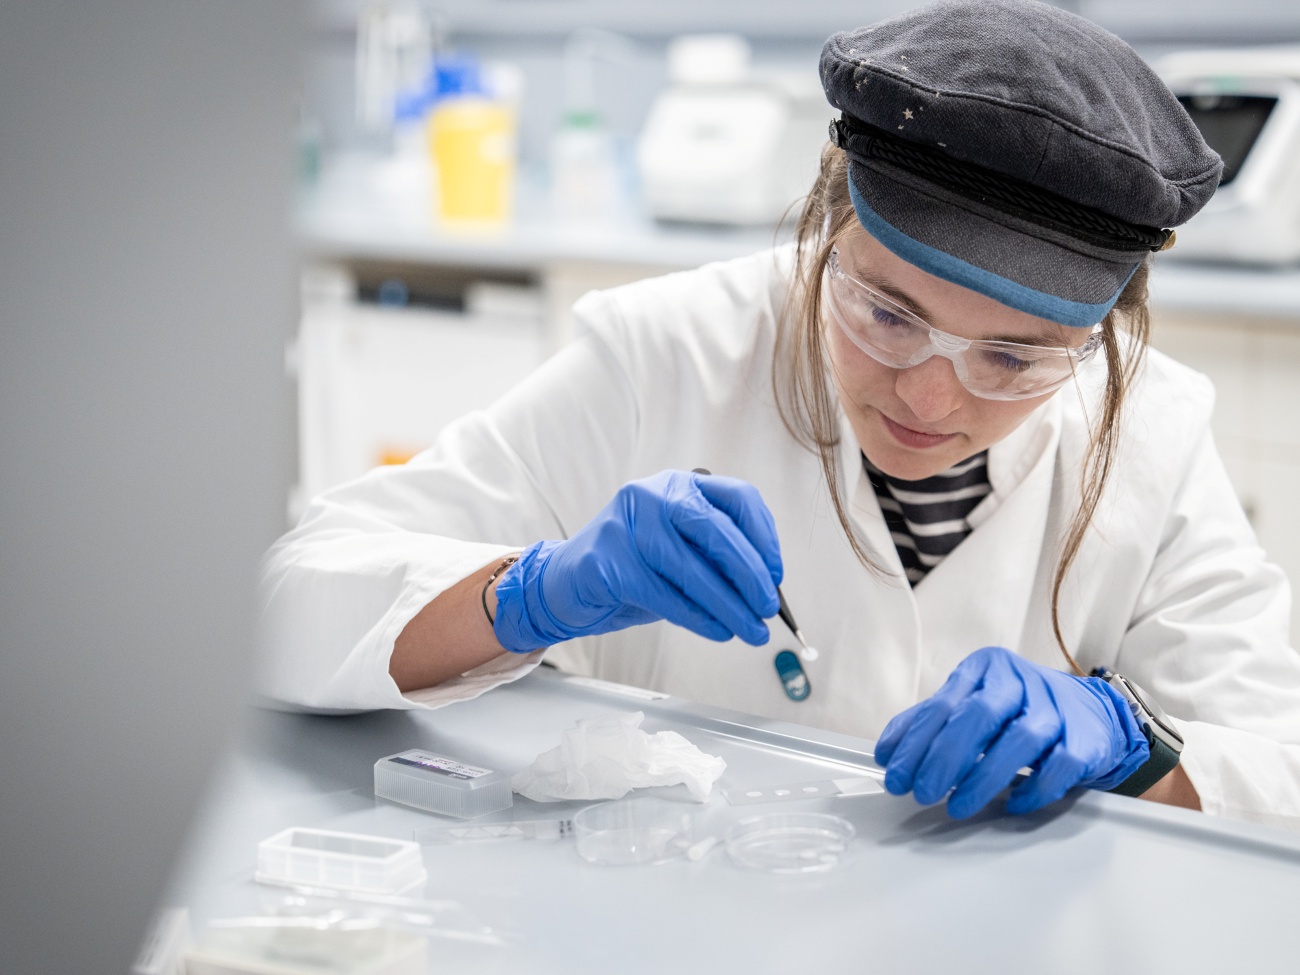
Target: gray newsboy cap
x,y
1015,149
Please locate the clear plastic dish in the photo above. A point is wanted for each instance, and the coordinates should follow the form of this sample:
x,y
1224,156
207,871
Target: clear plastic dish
x,y
789,842
633,831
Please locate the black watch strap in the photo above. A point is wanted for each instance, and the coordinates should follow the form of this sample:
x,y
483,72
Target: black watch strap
x,y
1163,760
1163,738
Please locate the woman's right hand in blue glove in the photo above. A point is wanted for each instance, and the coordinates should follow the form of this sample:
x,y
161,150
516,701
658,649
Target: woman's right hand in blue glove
x,y
697,550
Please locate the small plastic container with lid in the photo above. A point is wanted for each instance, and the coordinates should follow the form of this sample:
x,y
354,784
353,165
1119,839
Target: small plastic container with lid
x,y
439,784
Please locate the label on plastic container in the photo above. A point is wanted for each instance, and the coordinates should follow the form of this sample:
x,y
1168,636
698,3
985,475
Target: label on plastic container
x,y
440,765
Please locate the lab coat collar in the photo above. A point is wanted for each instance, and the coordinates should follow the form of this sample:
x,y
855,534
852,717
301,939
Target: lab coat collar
x,y
864,507
1010,461
1013,457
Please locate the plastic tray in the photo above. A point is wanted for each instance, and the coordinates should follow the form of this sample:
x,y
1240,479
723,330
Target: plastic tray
x,y
340,861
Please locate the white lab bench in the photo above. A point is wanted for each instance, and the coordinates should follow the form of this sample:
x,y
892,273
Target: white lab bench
x,y
1096,883
1239,326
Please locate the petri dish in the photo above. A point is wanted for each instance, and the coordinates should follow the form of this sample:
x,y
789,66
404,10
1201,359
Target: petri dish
x,y
633,831
789,842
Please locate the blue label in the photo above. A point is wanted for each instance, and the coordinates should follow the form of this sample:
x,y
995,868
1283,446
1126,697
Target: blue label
x,y
792,675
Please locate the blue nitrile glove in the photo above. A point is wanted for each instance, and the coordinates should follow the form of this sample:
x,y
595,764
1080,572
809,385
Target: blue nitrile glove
x,y
1072,731
696,550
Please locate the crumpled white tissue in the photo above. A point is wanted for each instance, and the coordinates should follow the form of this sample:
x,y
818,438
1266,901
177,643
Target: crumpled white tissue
x,y
608,757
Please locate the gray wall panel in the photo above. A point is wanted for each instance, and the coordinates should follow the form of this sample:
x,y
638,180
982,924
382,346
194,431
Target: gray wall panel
x,y
146,287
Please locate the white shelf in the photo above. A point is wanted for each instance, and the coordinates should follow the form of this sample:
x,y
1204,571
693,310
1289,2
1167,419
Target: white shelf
x,y
523,246
355,215
360,212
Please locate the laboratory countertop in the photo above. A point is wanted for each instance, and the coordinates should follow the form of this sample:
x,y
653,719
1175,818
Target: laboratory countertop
x,y
360,211
1097,883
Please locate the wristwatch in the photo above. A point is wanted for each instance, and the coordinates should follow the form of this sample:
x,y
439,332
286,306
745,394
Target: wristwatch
x,y
1163,738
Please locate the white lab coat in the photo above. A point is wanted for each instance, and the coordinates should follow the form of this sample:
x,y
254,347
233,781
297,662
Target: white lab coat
x,y
1170,587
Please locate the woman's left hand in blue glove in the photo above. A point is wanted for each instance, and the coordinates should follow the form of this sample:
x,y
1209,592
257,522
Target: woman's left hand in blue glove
x,y
998,713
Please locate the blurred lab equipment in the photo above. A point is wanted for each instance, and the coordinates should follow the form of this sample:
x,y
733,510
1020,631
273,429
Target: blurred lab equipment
x,y
1246,102
728,144
586,180
394,48
346,907
584,170
301,945
473,127
401,177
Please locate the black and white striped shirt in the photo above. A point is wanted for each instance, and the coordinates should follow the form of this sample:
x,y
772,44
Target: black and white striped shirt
x,y
927,518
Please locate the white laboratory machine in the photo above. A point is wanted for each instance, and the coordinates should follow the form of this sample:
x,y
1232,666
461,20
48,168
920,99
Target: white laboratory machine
x,y
1246,102
726,144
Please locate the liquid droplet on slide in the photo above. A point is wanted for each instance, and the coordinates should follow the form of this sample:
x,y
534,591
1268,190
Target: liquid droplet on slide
x,y
809,653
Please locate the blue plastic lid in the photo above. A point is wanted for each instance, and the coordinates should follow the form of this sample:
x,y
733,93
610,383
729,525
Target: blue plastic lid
x,y
793,677
457,75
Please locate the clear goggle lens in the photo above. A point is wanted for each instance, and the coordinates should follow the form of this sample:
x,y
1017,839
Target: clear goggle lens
x,y
895,337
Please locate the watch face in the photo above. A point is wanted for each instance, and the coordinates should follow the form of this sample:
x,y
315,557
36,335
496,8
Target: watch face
x,y
1151,708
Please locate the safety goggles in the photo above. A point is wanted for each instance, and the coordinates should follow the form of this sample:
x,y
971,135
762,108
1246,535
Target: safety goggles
x,y
897,338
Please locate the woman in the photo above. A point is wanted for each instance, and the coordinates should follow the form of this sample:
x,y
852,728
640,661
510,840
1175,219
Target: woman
x,y
934,423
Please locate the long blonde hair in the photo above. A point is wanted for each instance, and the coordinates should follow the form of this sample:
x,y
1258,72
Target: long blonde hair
x,y
810,408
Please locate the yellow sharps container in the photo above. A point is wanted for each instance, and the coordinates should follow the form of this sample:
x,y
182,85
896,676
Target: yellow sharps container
x,y
472,139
